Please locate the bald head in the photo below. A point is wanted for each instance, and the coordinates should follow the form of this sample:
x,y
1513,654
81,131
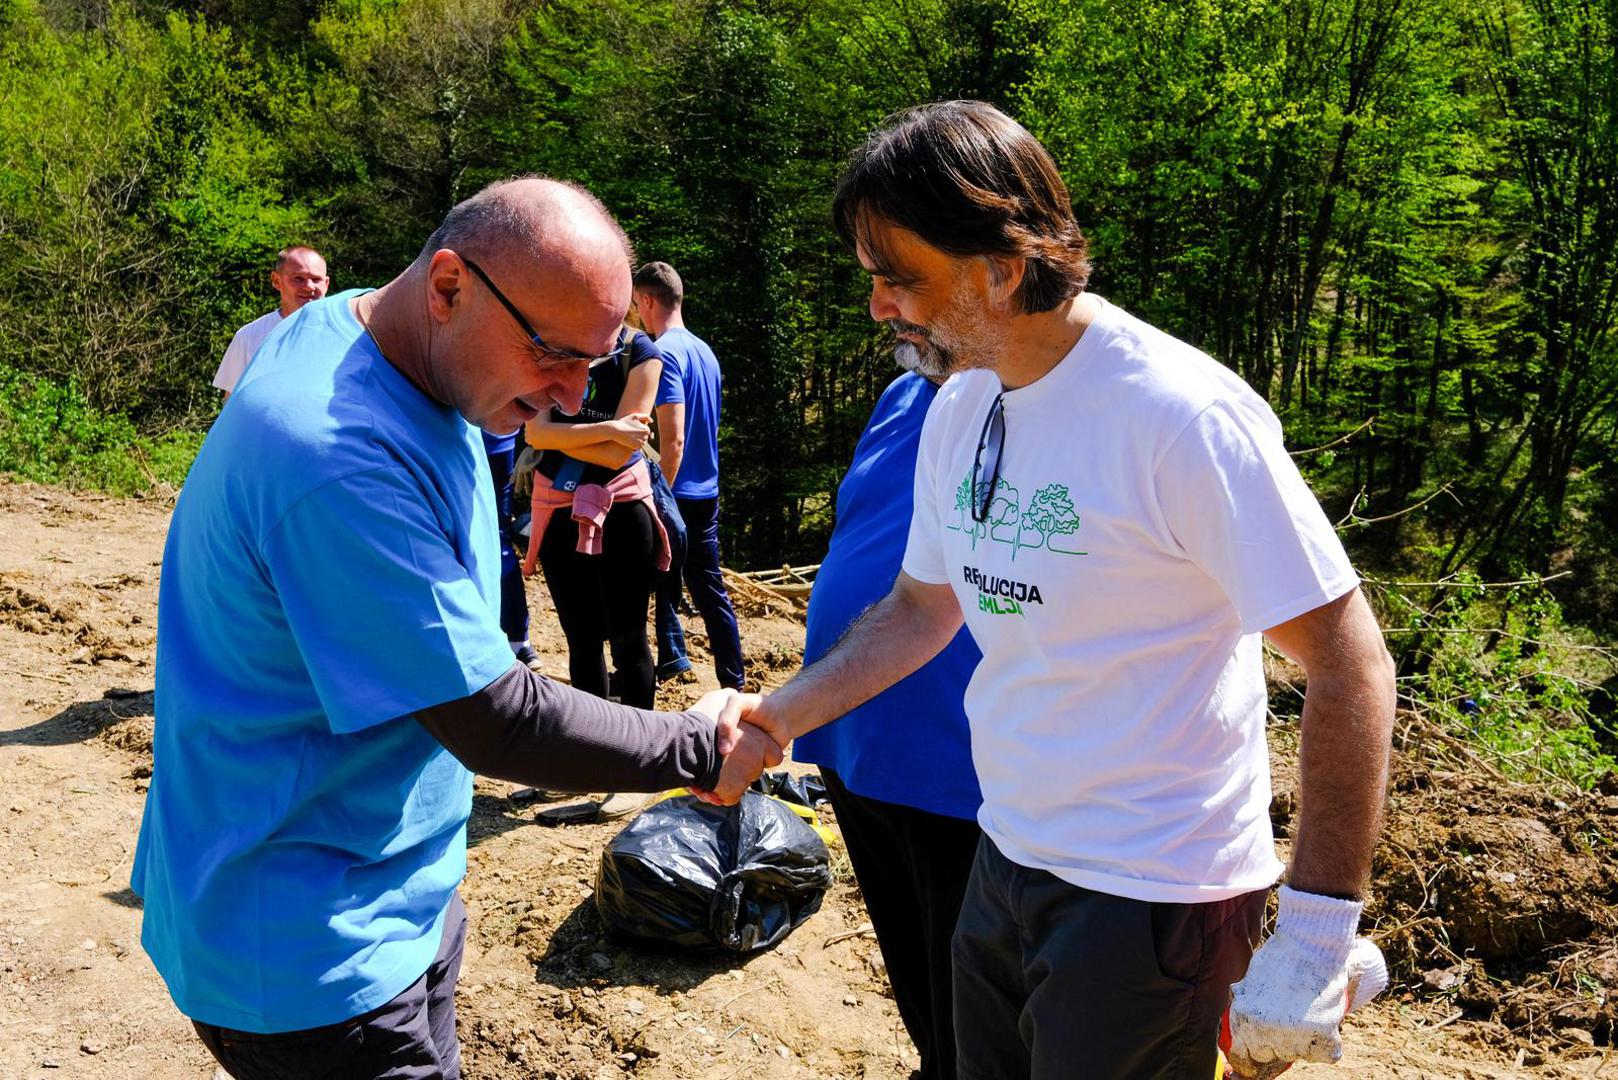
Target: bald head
x,y
515,224
508,301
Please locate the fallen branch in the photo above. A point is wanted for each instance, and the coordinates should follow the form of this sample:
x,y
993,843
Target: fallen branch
x,y
859,931
40,675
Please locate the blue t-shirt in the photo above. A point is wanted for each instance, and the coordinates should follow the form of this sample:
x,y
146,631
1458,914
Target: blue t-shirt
x,y
699,389
908,745
331,568
494,445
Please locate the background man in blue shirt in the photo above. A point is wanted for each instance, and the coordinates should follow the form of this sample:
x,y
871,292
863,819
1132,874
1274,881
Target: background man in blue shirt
x,y
898,768
305,829
688,423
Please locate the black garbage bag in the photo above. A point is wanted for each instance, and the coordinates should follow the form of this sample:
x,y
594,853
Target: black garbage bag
x,y
691,874
806,789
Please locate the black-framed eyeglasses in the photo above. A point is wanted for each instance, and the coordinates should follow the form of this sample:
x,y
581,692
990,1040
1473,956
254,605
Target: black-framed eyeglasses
x,y
533,335
990,440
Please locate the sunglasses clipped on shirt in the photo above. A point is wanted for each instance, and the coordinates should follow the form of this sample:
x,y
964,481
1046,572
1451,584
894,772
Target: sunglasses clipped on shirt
x,y
987,461
564,355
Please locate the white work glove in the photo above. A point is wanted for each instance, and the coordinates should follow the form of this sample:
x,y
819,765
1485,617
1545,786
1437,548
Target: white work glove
x,y
1300,983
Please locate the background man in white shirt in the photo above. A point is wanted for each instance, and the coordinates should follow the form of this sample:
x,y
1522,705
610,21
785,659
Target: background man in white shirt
x,y
1115,517
299,276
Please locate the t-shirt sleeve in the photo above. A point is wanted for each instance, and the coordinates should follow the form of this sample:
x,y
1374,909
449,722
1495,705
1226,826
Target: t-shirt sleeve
x,y
641,349
1240,510
387,618
234,363
671,383
924,550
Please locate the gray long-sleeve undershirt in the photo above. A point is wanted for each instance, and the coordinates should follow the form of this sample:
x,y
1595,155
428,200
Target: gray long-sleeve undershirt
x,y
526,728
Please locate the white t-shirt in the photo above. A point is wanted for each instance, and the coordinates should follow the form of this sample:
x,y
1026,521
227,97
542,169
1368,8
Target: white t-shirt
x,y
241,350
1147,525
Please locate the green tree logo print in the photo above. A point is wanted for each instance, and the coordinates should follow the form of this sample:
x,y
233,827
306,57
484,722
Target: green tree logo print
x,y
1050,516
1003,516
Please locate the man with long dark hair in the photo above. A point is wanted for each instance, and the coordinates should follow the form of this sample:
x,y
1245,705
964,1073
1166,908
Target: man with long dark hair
x,y
1115,517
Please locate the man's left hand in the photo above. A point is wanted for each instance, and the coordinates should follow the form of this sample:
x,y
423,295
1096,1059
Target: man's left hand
x,y
1300,983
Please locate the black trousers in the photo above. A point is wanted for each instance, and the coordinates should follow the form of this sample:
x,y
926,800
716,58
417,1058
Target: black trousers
x,y
912,868
412,1037
604,599
1054,981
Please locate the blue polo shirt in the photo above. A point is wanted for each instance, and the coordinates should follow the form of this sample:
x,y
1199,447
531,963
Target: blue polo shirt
x,y
908,745
699,388
331,568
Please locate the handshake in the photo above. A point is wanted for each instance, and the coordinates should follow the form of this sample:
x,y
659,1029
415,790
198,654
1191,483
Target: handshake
x,y
748,735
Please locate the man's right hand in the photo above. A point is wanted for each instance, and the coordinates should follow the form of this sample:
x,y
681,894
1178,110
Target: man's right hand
x,y
748,749
765,714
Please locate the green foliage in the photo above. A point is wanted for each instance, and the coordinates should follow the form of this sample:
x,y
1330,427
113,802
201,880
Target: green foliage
x,y
1499,668
50,434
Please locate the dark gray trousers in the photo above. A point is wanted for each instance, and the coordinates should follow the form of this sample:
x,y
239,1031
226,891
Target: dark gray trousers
x,y
1054,981
412,1037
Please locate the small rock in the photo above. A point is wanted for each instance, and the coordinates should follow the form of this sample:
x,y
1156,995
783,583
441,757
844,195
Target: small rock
x,y
599,962
850,999
565,1005
878,965
50,1063
1579,1036
783,1051
91,1048
1532,1058
587,991
634,1008
628,1059
524,794
1442,979
87,944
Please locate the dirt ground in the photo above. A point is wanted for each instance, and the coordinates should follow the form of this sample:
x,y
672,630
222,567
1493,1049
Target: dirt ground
x,y
1495,902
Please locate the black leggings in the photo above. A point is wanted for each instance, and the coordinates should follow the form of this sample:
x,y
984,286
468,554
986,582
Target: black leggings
x,y
603,599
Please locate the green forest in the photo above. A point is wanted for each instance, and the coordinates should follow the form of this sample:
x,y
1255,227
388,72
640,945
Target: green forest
x,y
1396,219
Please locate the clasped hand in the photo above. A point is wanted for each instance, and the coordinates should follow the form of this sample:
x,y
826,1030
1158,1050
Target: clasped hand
x,y
631,431
748,748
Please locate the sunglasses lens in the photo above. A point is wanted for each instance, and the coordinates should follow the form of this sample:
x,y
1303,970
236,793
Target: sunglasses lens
x,y
986,466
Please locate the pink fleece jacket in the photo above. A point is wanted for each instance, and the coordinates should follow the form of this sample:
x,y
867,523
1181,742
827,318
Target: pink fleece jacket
x,y
590,503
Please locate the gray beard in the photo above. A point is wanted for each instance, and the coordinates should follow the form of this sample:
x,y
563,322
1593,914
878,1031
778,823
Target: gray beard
x,y
907,356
